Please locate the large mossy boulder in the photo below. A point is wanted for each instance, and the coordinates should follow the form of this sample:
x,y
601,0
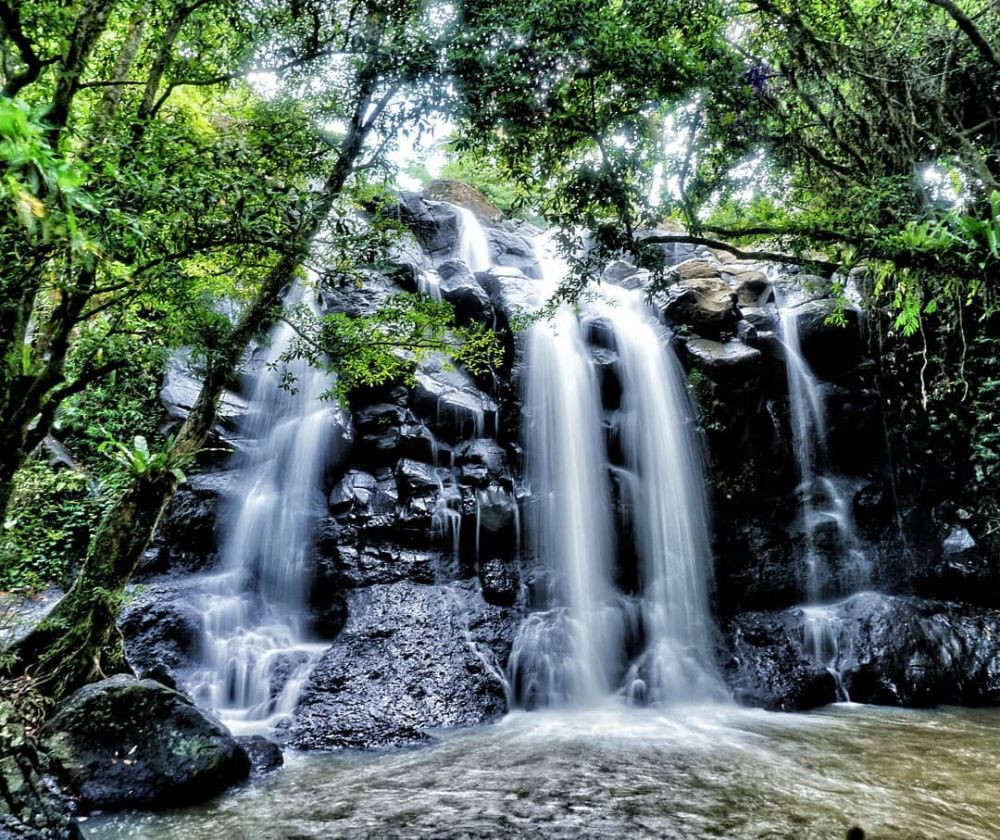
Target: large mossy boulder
x,y
128,743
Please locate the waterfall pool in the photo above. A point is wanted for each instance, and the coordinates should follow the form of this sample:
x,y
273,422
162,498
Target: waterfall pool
x,y
705,771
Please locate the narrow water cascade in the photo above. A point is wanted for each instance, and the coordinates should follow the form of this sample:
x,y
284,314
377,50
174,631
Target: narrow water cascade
x,y
257,642
835,563
571,651
668,509
473,247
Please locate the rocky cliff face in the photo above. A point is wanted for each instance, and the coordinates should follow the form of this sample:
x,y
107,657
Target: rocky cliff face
x,y
417,578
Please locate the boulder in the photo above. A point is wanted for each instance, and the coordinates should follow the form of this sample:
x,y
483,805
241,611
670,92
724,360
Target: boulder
x,y
704,304
887,650
460,288
513,250
697,269
435,224
731,363
264,754
448,399
499,580
128,743
162,628
512,293
412,659
464,195
830,349
416,479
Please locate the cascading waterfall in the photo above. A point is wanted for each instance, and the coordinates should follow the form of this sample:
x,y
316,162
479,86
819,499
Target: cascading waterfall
x,y
570,652
824,507
668,508
257,648
575,650
473,247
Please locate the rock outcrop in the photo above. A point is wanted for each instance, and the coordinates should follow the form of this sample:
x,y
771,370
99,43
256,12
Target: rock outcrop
x,y
128,743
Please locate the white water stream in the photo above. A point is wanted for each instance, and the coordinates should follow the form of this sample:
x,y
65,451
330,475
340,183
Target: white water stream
x,y
257,645
575,649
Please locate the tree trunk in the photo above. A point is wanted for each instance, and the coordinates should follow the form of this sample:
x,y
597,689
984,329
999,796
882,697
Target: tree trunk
x,y
78,641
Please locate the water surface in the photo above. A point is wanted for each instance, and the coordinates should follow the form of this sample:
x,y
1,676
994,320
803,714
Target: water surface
x,y
714,772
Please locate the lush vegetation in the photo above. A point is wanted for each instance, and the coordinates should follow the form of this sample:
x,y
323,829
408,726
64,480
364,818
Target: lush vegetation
x,y
162,157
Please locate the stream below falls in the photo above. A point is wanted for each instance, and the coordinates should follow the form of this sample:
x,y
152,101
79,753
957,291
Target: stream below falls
x,y
705,771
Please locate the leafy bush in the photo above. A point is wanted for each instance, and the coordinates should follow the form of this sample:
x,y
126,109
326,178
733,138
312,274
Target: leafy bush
x,y
51,515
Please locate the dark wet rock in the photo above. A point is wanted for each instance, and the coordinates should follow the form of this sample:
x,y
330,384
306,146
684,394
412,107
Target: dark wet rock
x,y
128,743
726,362
32,807
264,754
461,289
606,364
496,512
701,302
353,493
448,399
435,224
364,298
162,628
513,250
767,667
370,565
187,532
482,451
829,348
755,567
889,650
327,606
181,386
499,579
416,479
412,658
962,571
409,261
512,293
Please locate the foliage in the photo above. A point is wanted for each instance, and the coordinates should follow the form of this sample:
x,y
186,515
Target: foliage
x,y
45,534
387,345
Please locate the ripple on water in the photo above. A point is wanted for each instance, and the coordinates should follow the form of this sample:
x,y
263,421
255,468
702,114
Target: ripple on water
x,y
712,772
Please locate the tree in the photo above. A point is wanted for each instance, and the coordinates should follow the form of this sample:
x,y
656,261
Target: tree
x,y
382,56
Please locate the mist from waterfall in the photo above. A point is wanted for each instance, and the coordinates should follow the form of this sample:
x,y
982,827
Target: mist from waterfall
x,y
575,650
257,646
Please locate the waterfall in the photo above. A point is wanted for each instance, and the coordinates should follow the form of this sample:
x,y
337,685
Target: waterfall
x,y
575,648
473,249
824,506
570,651
837,566
257,647
668,508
